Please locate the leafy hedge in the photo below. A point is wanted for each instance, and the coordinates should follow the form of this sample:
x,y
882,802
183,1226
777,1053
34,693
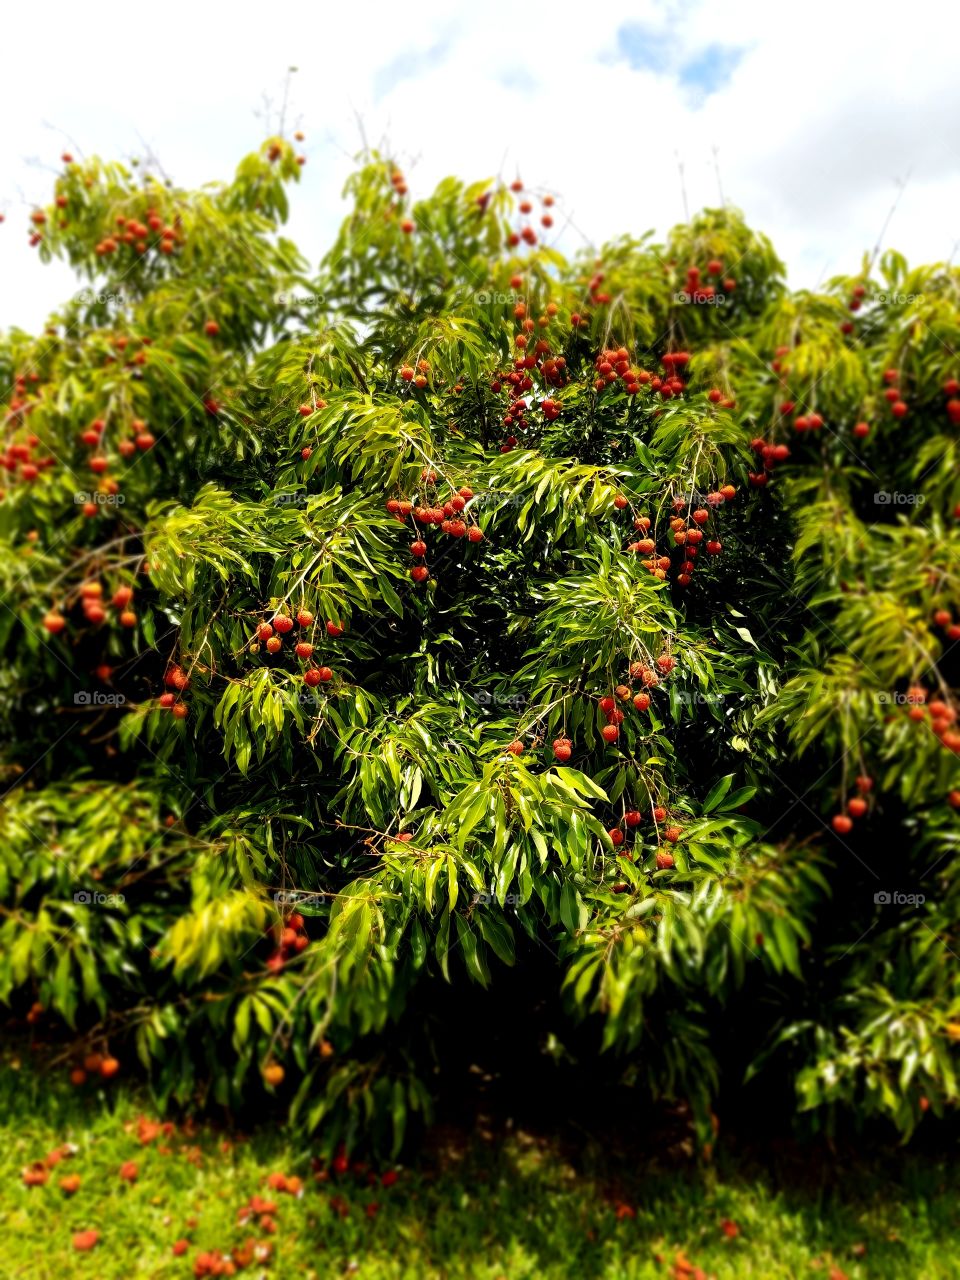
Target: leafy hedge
x,y
371,628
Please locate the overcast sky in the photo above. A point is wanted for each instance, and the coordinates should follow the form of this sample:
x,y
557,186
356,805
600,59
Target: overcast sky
x,y
820,114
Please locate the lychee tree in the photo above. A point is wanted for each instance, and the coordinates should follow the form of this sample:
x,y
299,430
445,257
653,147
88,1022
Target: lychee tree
x,y
456,613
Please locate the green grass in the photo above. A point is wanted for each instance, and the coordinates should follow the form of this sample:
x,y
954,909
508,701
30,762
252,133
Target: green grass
x,y
486,1209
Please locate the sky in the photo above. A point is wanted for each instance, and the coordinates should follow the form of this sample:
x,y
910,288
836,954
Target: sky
x,y
815,119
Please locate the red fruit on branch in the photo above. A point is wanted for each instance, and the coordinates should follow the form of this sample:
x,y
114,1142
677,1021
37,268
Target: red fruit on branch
x,y
841,824
562,749
616,836
610,733
856,807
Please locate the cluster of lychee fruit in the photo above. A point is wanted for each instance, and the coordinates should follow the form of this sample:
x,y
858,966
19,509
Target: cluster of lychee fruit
x,y
102,1065
649,677
944,618
632,819
139,236
700,290
688,532
177,682
856,807
447,514
937,712
305,410
893,395
768,455
951,388
857,295
525,231
270,635
95,607
290,938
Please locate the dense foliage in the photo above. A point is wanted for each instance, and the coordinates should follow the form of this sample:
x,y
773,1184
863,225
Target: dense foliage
x,y
458,615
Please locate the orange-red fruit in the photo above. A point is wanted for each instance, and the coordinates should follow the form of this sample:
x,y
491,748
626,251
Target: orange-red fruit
x,y
419,573
665,861
303,649
856,807
282,623
211,328
109,1067
841,824
311,677
616,835
83,1241
642,701
610,733
273,1073
864,784
54,622
672,834
562,749
334,629
274,644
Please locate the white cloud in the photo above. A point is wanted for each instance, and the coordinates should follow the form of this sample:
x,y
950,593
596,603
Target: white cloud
x,y
825,111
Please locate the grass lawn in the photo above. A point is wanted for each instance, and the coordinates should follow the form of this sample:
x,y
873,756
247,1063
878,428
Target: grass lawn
x,y
485,1208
